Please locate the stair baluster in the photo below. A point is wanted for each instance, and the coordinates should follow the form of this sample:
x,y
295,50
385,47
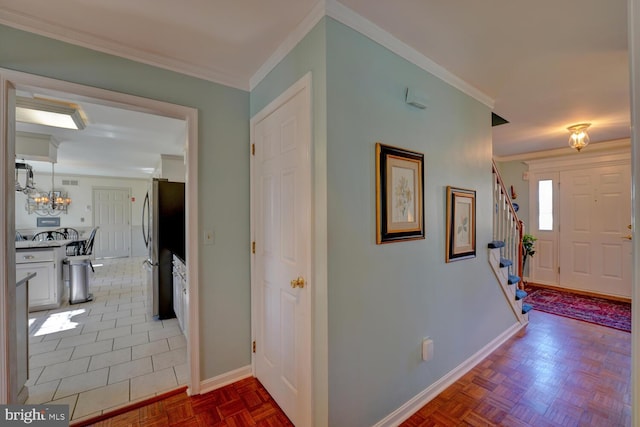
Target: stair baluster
x,y
507,227
505,251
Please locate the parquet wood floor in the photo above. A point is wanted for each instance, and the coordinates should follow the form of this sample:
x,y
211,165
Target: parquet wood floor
x,y
555,372
244,403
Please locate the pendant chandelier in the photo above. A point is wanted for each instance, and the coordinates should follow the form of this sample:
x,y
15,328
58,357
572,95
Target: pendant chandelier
x,y
43,203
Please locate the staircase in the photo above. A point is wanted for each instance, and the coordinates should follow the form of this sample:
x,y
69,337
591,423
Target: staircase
x,y
505,251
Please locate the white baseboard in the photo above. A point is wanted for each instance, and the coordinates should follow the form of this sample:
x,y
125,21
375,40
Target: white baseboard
x,y
418,401
225,379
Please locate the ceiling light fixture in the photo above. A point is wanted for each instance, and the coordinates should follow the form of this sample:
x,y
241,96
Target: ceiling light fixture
x,y
579,137
49,113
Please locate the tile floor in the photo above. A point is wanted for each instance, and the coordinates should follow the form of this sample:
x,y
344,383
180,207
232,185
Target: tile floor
x,y
106,353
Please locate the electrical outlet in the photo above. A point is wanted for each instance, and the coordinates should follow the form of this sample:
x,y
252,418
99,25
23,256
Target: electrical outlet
x,y
427,349
208,237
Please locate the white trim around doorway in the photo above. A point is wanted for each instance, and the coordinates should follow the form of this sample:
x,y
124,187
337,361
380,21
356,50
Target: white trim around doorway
x,y
13,79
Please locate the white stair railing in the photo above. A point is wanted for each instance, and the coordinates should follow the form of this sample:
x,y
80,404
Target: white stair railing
x,y
507,227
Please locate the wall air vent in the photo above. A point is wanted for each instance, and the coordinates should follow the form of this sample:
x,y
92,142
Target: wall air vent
x,y
69,182
496,120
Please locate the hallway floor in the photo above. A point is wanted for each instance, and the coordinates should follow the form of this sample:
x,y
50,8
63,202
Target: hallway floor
x,y
555,372
106,353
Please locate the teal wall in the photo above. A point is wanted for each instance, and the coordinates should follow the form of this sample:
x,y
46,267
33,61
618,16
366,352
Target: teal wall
x,y
383,299
223,134
373,303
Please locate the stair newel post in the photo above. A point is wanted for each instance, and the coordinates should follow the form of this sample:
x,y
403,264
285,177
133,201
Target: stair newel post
x,y
496,208
510,241
520,257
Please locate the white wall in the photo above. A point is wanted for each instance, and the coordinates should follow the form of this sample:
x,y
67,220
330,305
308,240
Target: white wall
x,y
80,211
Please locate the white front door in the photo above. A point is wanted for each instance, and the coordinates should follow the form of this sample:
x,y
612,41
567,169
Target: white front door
x,y
281,210
595,246
112,213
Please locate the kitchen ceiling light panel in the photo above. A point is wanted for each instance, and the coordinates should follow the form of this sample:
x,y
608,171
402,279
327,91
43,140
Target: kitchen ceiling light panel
x,y
48,113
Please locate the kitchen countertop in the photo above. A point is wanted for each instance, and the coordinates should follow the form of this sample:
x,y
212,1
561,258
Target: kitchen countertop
x,y
30,244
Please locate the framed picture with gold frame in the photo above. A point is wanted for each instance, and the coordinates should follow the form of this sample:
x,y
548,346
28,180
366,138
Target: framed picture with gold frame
x,y
461,224
399,194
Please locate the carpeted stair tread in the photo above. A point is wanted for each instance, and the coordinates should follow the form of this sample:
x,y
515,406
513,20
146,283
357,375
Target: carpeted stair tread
x,y
526,308
505,262
520,294
512,280
496,244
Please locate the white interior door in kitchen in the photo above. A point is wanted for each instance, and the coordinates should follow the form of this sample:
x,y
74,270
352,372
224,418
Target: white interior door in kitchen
x,y
281,211
595,232
112,214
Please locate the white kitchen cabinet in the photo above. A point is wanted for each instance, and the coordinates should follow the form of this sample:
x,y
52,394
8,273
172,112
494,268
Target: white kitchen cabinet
x,y
47,287
180,294
22,335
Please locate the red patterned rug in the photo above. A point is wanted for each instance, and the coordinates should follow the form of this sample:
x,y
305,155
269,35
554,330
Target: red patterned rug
x,y
613,314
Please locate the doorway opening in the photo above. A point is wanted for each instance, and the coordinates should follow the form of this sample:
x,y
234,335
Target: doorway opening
x,y
110,331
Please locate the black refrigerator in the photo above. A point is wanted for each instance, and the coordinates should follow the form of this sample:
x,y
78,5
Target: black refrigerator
x,y
163,230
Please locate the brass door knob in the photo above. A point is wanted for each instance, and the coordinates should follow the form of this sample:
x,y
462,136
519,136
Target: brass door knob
x,y
298,282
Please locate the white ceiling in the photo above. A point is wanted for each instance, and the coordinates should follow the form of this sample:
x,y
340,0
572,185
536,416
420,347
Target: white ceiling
x,y
115,142
546,64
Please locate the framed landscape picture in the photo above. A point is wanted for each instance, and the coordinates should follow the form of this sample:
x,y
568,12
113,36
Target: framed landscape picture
x,y
399,194
461,224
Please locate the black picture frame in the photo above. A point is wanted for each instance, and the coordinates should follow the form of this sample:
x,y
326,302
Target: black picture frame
x,y
461,224
399,194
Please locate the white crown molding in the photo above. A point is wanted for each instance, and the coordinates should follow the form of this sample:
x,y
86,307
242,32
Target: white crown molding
x,y
618,144
609,158
323,8
306,25
418,401
351,19
79,38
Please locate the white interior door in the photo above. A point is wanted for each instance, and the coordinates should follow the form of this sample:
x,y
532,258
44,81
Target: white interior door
x,y
282,230
112,213
595,246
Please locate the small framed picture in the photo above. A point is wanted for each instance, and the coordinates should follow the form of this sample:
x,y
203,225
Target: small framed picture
x,y
461,224
399,194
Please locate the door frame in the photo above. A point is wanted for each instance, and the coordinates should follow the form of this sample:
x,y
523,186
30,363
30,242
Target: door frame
x,y
543,167
93,211
303,84
534,179
9,80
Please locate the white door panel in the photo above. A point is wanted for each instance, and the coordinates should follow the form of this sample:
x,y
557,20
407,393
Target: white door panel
x,y
595,214
282,227
111,213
